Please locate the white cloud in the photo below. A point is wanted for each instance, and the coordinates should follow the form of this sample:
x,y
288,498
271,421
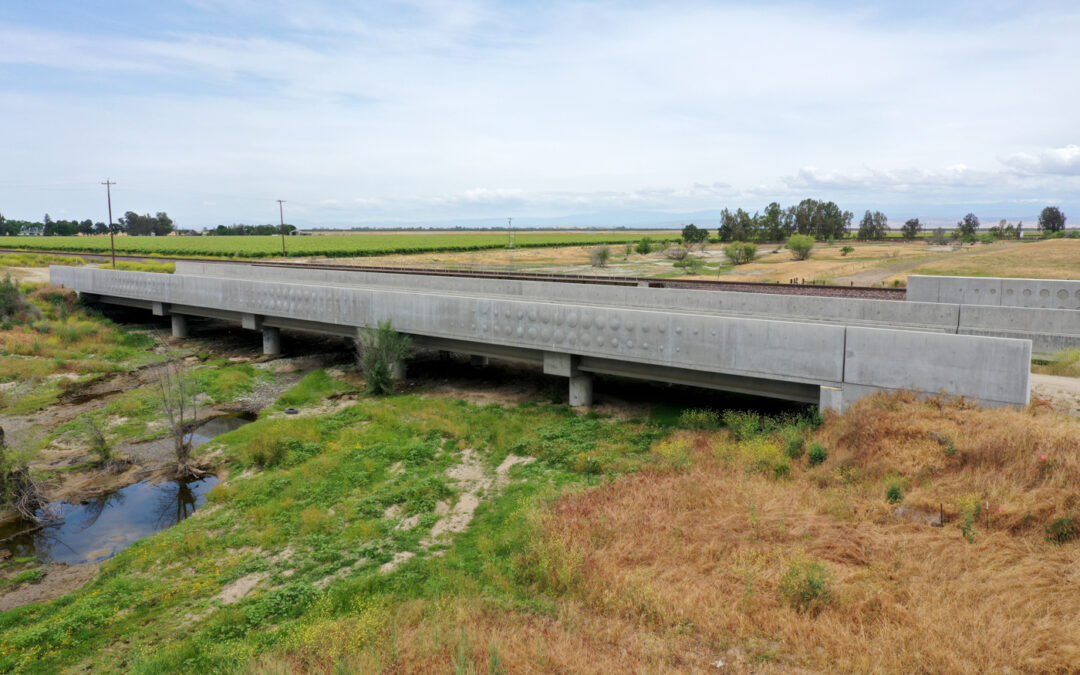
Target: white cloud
x,y
433,108
1055,161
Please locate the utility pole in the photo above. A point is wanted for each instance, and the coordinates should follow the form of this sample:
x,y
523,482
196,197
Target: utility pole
x,y
281,212
112,241
510,240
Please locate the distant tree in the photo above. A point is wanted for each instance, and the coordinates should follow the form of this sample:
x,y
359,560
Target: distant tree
x,y
968,225
599,256
1051,219
86,227
162,224
692,234
938,237
873,225
775,224
911,228
101,228
644,247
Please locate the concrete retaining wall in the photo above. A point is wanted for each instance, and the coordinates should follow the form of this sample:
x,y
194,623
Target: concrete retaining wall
x,y
995,291
845,361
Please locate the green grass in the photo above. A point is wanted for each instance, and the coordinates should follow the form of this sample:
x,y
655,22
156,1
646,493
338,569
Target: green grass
x,y
38,260
315,387
319,511
335,245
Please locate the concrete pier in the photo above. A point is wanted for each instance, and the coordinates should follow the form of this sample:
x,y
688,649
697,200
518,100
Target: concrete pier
x,y
271,340
179,326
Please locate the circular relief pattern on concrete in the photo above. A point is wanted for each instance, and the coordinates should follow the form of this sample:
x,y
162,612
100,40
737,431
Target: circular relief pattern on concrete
x,y
520,315
586,321
1009,291
545,316
532,315
520,331
572,320
630,344
1027,292
644,327
613,323
559,319
571,339
630,324
993,291
545,334
614,342
533,333
678,330
1063,294
599,340
661,327
1044,293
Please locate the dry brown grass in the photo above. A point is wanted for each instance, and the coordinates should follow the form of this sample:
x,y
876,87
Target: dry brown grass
x,y
674,568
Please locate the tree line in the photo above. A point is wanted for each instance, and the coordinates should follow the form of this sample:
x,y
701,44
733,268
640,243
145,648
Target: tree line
x,y
825,221
130,223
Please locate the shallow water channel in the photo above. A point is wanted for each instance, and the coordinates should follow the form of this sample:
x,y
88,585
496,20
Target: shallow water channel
x,y
97,529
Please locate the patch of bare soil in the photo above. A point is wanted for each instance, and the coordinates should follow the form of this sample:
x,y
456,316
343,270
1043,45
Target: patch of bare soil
x,y
239,589
1063,393
58,580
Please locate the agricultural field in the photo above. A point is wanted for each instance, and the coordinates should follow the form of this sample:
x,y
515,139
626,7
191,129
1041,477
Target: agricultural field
x,y
868,264
329,245
471,522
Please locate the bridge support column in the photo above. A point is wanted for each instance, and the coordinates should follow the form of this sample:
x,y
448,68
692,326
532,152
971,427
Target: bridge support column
x,y
478,361
397,371
581,390
179,326
271,340
566,365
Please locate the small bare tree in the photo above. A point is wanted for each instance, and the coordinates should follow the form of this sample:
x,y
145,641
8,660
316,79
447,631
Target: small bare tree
x,y
18,488
177,394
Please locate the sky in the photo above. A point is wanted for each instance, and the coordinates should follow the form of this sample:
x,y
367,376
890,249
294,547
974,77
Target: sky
x,y
553,113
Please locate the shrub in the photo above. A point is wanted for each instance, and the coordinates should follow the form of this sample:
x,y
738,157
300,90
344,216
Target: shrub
x,y
846,249
807,586
699,419
795,443
96,439
645,246
692,264
800,245
894,492
744,425
380,350
675,252
817,454
1062,530
740,252
599,256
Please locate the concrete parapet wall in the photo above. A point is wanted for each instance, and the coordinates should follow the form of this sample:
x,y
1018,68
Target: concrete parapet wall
x,y
784,357
793,351
848,311
1049,330
995,291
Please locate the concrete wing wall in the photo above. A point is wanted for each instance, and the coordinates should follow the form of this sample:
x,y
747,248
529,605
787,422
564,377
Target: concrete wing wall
x,y
995,291
995,371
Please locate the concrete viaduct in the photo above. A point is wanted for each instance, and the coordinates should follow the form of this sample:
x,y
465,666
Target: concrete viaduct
x,y
827,351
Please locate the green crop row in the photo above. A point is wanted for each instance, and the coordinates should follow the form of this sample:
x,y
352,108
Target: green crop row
x,y
331,245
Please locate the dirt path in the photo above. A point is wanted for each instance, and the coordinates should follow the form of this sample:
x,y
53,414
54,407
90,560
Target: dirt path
x,y
1062,392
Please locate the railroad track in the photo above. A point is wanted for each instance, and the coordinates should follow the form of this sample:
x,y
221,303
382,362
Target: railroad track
x,y
874,292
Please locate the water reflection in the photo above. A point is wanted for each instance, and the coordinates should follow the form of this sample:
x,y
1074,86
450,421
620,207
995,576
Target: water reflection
x,y
99,528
